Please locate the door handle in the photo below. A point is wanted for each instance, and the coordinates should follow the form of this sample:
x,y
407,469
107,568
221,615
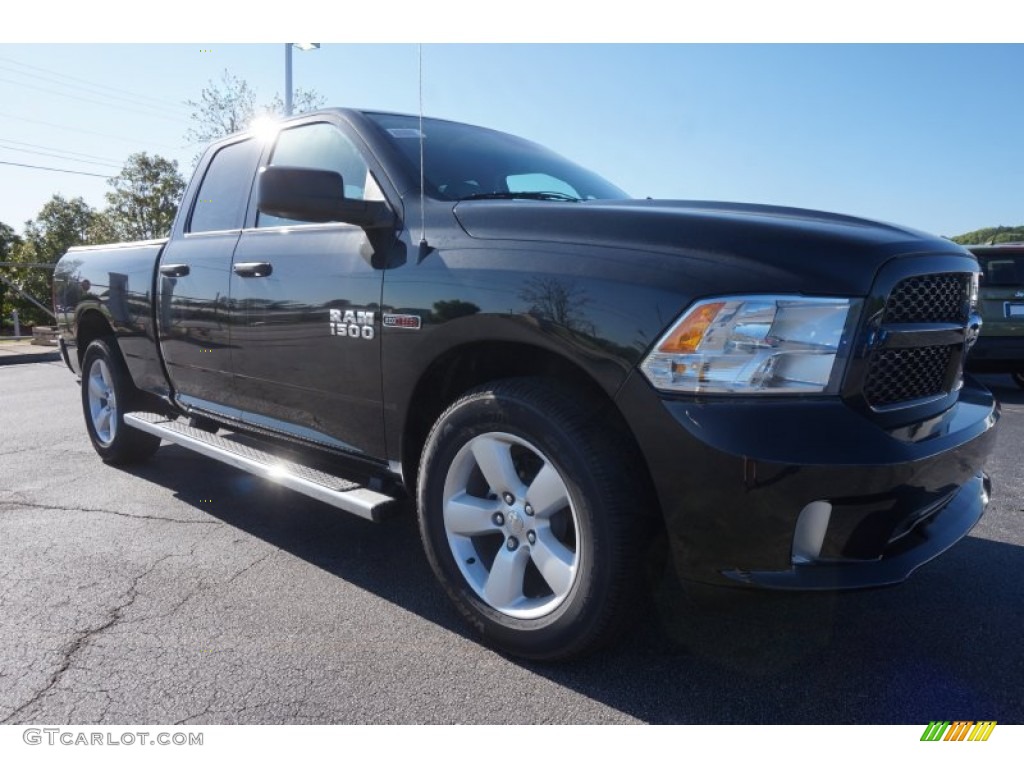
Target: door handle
x,y
174,270
253,268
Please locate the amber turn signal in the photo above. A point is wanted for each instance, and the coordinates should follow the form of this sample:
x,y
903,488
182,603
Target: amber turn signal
x,y
685,337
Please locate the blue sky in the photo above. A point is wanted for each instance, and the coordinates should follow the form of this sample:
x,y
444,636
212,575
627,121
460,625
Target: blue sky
x,y
924,135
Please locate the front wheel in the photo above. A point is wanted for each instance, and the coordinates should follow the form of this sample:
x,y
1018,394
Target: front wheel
x,y
106,390
531,520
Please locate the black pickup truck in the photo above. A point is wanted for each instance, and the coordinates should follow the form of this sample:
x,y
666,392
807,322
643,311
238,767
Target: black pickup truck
x,y
374,309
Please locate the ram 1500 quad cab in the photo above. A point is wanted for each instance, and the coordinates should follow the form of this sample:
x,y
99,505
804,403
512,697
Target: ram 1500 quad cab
x,y
552,371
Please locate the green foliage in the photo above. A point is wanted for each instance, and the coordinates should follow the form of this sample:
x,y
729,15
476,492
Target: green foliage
x,y
9,241
992,235
103,230
31,280
143,202
60,225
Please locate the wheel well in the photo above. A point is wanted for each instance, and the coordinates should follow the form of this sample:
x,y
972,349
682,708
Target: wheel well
x,y
92,325
464,368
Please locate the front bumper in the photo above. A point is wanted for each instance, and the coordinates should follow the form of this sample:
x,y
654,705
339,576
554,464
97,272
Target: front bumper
x,y
733,476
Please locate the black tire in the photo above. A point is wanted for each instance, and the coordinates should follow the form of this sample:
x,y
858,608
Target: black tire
x,y
107,391
1018,378
587,532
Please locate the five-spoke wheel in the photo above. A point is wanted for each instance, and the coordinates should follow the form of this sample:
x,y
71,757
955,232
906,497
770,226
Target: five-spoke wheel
x,y
531,519
102,401
106,390
511,525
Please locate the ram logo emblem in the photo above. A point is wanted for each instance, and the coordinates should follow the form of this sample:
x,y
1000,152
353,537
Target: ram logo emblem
x,y
355,324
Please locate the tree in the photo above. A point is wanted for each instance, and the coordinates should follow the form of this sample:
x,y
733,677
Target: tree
x,y
303,100
221,110
9,240
102,229
229,106
143,202
60,225
991,235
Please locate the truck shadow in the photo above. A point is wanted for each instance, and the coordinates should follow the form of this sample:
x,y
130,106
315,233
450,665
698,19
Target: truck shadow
x,y
943,642
945,645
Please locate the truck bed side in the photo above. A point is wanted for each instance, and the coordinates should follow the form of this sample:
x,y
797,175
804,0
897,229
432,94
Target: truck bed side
x,y
99,290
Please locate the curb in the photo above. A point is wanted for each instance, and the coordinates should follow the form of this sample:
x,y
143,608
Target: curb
x,y
32,357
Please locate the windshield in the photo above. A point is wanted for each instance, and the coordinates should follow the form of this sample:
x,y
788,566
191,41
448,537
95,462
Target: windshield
x,y
465,162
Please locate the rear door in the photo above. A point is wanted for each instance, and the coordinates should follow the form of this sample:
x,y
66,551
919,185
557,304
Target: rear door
x,y
192,281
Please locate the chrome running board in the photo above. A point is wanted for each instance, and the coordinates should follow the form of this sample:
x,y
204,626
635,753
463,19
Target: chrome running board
x,y
331,489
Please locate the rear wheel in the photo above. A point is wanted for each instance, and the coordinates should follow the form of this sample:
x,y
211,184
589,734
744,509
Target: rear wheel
x,y
531,521
106,391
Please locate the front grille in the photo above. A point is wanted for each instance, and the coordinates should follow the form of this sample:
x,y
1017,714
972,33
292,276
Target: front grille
x,y
898,375
905,364
929,299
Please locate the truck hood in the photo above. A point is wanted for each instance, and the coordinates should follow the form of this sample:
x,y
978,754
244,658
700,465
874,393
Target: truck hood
x,y
812,244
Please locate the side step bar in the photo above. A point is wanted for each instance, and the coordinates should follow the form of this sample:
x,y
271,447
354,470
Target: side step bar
x,y
331,489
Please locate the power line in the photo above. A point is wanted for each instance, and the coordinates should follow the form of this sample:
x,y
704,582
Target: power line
x,y
156,101
58,149
58,155
91,101
58,170
76,129
95,91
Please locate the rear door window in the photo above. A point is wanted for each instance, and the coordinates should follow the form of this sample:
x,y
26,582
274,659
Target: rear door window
x,y
224,192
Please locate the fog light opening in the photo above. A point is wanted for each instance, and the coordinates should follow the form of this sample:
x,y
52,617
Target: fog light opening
x,y
809,535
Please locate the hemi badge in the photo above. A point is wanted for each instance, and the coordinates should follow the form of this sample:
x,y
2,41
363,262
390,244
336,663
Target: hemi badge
x,y
402,321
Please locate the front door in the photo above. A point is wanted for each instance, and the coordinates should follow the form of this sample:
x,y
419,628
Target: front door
x,y
305,306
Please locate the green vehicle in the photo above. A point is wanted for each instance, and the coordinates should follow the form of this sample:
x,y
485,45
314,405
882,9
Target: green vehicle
x,y
1000,348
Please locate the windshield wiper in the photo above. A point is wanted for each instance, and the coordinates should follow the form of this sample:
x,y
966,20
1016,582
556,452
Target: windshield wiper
x,y
522,196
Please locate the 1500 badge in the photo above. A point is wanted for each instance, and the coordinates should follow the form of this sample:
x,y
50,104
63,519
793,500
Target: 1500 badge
x,y
352,323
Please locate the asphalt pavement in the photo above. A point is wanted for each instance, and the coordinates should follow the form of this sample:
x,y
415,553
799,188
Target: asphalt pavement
x,y
183,591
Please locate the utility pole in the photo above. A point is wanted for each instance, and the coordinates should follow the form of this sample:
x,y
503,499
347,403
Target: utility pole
x,y
288,71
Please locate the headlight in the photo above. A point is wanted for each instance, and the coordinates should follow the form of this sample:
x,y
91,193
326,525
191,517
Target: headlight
x,y
753,345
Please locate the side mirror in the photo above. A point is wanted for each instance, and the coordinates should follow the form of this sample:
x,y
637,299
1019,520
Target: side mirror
x,y
309,194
